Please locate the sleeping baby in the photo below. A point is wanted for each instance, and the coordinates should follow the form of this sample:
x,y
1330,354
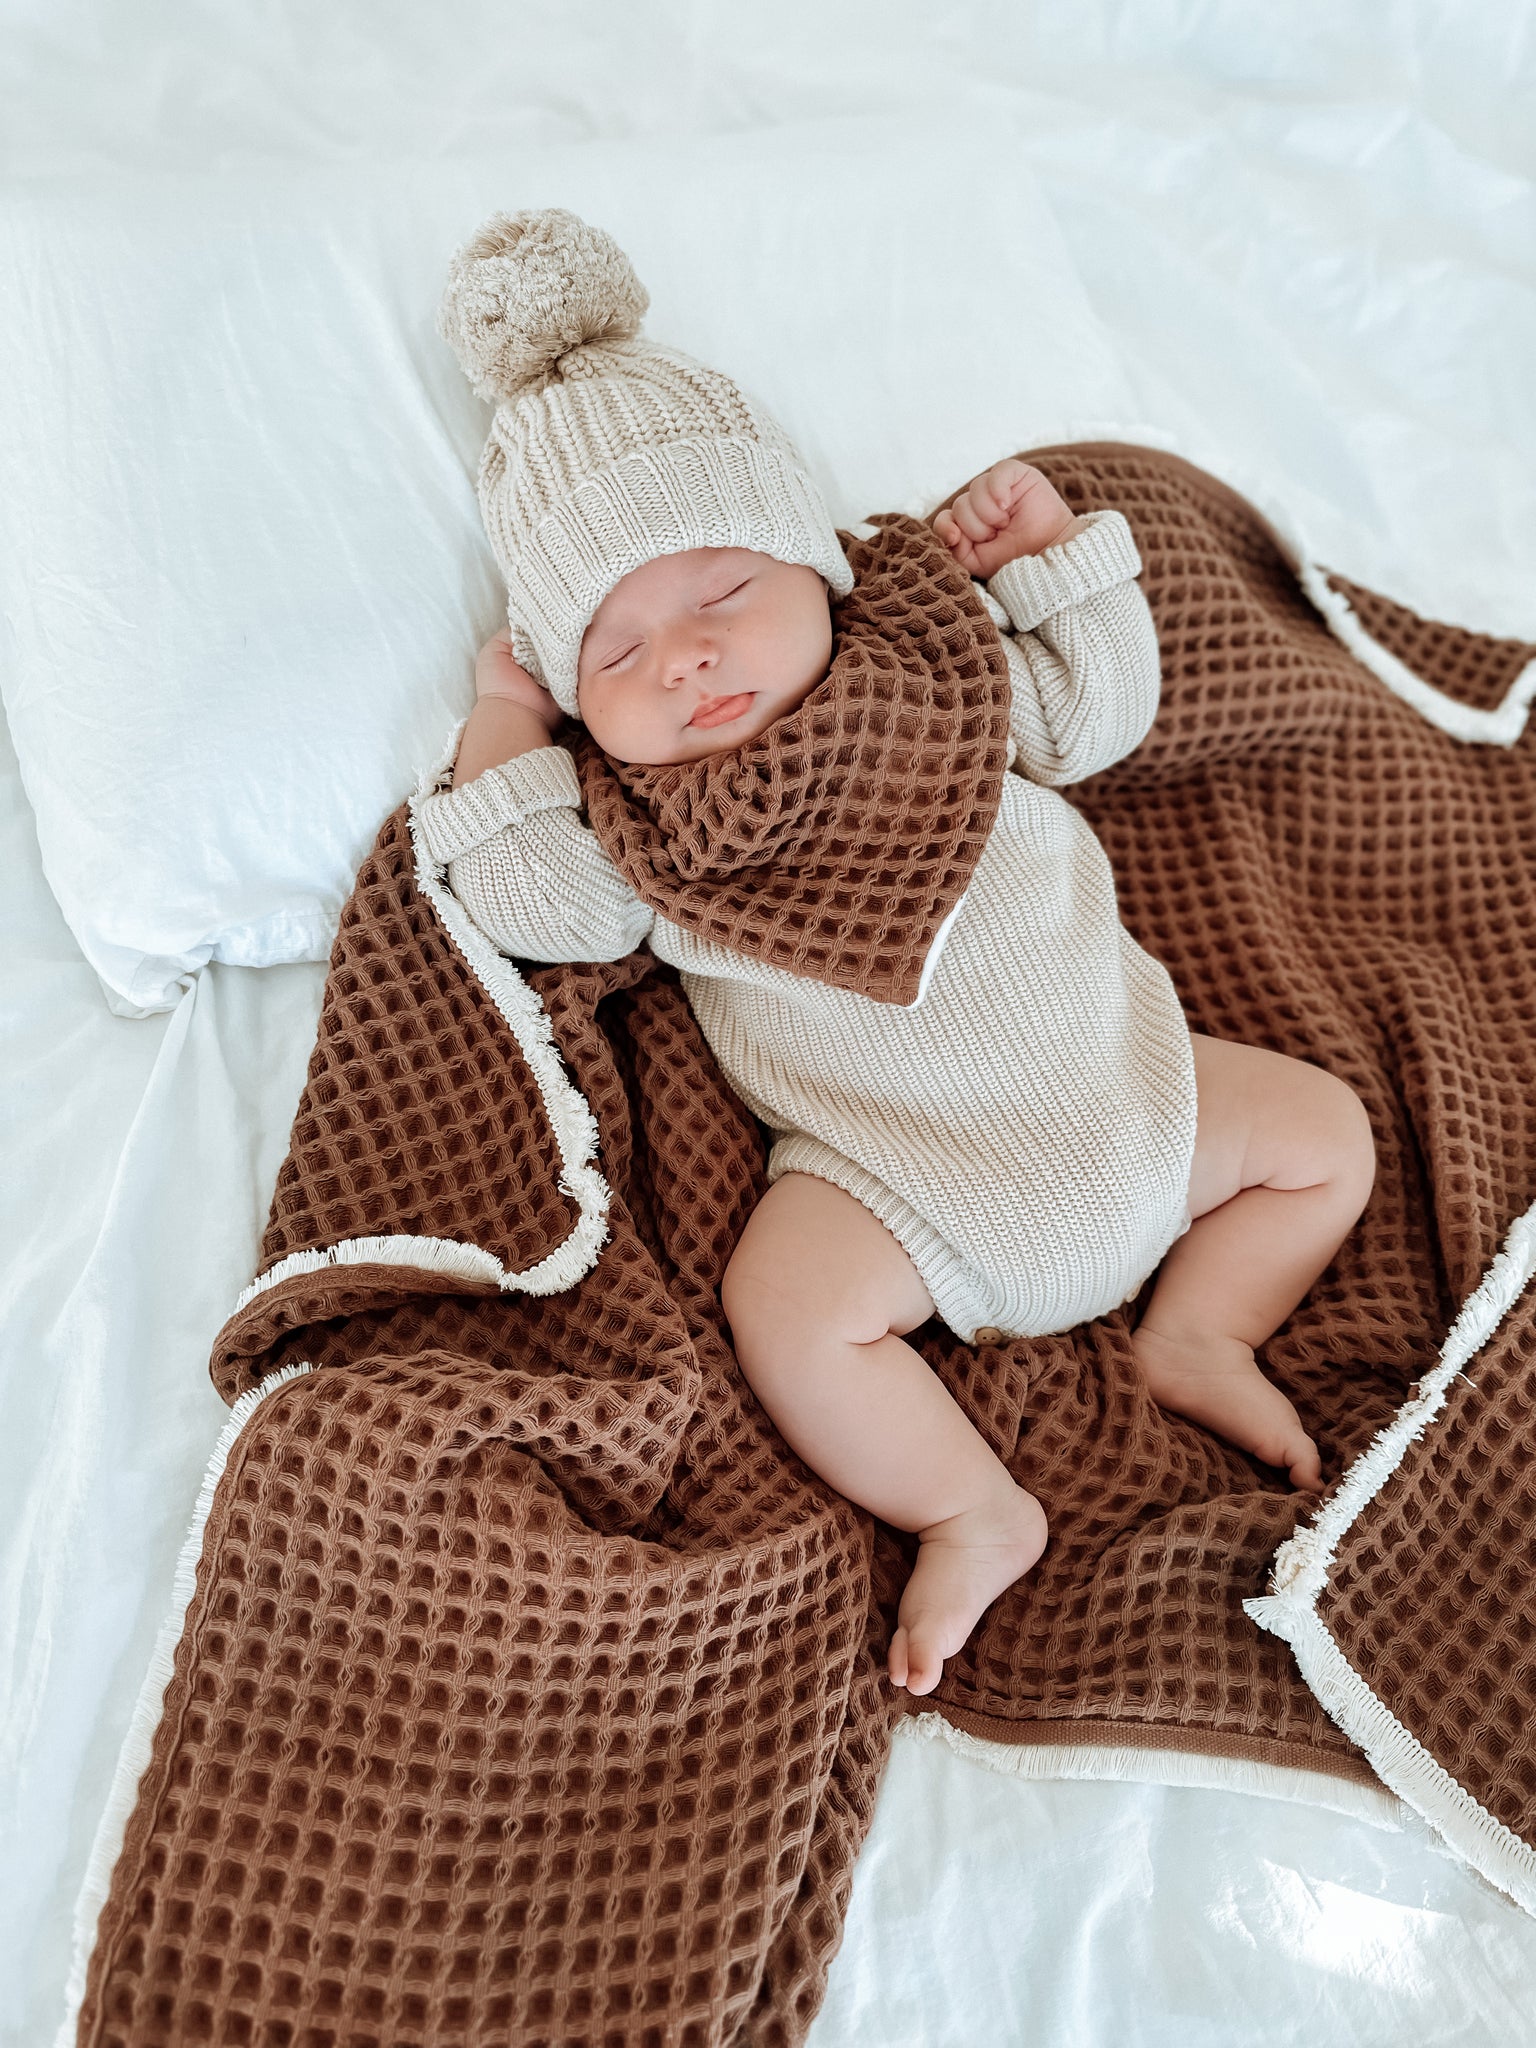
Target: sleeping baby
x,y
819,774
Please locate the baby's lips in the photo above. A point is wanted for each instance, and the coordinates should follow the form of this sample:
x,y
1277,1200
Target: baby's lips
x,y
717,710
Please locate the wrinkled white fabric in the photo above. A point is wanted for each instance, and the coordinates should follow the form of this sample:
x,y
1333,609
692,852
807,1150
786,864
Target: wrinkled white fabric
x,y
1142,1915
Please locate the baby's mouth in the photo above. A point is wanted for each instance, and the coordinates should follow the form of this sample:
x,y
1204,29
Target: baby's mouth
x,y
722,710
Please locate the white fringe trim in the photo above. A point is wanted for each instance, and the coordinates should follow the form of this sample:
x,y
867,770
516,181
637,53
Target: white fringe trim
x,y
426,1254
1126,1765
1299,1575
1302,1563
570,1118
1501,726
1399,1758
138,1743
569,1113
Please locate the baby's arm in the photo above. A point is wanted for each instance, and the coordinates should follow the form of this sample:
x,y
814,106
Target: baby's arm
x,y
1082,649
529,873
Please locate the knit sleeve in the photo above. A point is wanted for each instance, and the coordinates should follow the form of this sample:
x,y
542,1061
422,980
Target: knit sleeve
x,y
1082,652
530,874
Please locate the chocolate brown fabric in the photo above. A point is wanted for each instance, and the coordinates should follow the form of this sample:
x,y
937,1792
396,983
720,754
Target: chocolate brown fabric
x,y
836,843
531,1689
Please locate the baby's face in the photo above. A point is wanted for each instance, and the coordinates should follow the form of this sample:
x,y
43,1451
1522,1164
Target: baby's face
x,y
694,653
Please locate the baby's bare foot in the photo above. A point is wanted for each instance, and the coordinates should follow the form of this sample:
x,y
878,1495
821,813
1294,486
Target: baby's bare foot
x,y
1215,1382
964,1563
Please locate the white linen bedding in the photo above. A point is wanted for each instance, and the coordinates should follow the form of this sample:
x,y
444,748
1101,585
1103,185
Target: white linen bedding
x,y
1310,238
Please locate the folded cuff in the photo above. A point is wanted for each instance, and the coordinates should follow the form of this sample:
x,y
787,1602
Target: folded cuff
x,y
454,820
1097,557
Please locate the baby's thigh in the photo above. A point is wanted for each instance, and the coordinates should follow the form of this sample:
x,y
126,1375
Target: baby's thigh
x,y
1266,1120
813,1257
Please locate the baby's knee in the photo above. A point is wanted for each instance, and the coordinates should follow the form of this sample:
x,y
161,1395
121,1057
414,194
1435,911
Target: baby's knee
x,y
1309,1130
1350,1140
1325,1142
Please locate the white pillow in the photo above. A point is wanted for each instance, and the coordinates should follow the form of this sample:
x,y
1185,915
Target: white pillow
x,y
241,560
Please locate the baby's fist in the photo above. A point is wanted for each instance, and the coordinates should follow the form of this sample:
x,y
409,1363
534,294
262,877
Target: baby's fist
x,y
499,674
1007,511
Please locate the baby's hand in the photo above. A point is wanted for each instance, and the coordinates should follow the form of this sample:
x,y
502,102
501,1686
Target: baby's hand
x,y
497,674
1007,511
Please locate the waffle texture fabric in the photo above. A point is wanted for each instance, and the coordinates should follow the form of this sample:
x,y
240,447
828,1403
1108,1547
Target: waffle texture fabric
x,y
835,843
606,449
1023,1118
530,1689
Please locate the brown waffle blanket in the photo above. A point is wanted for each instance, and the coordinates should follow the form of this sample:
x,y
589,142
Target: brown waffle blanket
x,y
530,1691
836,842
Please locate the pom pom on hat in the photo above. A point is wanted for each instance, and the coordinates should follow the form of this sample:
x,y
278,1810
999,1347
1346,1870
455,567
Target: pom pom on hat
x,y
527,289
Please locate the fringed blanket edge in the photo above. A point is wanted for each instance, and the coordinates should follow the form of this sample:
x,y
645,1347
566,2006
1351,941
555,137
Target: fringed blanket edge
x,y
1299,1576
138,1742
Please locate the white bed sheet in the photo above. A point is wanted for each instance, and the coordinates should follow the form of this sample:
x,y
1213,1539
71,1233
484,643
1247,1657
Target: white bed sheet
x,y
1311,237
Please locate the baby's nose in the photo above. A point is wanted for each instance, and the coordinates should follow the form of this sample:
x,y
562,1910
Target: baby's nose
x,y
686,660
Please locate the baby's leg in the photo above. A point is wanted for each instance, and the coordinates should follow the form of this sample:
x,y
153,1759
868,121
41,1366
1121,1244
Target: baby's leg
x,y
1284,1162
817,1293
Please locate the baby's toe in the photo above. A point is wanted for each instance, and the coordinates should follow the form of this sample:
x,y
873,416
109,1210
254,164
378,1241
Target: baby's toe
x,y
925,1663
1306,1467
915,1659
896,1661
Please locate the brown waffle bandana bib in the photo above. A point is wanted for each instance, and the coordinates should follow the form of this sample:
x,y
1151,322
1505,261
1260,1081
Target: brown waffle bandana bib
x,y
836,842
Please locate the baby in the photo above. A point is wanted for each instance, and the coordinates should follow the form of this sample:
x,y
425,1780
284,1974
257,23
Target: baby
x,y
821,779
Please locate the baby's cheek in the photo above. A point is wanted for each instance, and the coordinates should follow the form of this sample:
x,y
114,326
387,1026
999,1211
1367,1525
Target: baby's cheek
x,y
592,708
625,722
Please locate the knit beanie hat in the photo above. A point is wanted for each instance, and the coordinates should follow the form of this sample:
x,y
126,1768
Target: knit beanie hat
x,y
606,450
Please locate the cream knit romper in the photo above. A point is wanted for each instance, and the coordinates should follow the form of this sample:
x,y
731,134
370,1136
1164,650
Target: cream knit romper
x,y
1025,1128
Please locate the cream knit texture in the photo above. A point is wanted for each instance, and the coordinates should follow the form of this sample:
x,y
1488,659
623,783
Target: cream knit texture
x,y
1025,1129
